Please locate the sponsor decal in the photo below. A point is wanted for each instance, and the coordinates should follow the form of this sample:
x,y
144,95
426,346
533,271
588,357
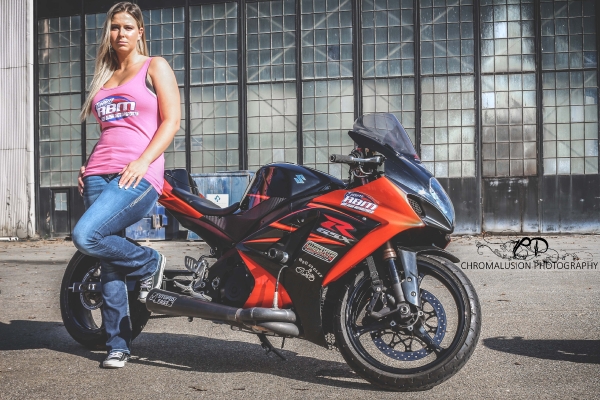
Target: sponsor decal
x,y
310,267
329,228
320,252
300,178
305,273
114,108
162,299
360,202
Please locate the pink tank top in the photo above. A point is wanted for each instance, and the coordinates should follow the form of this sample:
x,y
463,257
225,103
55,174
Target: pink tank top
x,y
128,117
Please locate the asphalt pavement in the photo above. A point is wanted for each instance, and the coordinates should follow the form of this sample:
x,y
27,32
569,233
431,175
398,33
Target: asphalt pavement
x,y
540,335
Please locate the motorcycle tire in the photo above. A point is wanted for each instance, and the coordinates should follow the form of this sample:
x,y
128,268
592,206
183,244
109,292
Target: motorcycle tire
x,y
378,361
81,313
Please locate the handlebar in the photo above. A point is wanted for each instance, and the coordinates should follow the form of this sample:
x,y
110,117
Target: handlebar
x,y
342,159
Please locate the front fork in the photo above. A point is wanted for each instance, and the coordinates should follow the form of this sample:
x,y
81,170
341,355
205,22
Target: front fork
x,y
407,291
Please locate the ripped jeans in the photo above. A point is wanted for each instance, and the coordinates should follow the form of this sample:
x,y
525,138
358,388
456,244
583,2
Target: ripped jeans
x,y
109,210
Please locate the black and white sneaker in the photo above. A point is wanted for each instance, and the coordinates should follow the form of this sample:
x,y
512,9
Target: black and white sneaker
x,y
154,281
115,359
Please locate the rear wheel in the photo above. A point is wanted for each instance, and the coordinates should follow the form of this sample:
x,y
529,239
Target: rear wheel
x,y
81,312
411,353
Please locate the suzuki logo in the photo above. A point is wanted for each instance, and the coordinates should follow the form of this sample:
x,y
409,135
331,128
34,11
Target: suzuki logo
x,y
300,178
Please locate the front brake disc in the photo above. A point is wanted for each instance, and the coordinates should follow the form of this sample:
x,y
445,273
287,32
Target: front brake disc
x,y
387,340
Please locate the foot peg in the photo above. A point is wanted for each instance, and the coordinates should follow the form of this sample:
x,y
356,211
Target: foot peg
x,y
200,296
189,290
196,266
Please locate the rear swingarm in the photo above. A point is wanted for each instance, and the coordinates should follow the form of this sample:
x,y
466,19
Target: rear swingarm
x,y
86,287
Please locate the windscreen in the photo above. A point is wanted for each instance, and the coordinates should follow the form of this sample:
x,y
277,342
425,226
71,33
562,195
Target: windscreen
x,y
386,130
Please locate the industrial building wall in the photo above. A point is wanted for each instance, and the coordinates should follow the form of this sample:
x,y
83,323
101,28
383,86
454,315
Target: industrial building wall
x,y
500,97
17,177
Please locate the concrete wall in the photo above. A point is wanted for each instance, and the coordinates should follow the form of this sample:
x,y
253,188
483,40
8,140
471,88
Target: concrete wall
x,y
17,184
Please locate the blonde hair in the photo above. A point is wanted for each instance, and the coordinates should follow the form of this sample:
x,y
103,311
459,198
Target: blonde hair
x,y
106,59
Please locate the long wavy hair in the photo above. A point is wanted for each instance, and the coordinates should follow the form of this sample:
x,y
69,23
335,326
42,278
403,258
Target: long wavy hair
x,y
106,59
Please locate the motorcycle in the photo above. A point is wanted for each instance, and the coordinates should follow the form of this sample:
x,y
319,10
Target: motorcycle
x,y
359,265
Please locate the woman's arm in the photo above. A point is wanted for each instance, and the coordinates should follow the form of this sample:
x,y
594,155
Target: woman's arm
x,y
82,171
167,92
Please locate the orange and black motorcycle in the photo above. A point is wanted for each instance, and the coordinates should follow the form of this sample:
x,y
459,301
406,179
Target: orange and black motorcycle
x,y
360,266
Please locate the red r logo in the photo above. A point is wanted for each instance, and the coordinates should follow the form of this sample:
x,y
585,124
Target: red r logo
x,y
340,226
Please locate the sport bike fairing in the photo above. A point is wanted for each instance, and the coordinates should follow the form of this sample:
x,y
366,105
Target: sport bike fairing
x,y
384,134
329,229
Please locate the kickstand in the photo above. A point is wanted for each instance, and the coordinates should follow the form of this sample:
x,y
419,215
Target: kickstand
x,y
264,342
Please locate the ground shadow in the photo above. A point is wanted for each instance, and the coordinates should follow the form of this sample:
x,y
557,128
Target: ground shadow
x,y
578,351
187,353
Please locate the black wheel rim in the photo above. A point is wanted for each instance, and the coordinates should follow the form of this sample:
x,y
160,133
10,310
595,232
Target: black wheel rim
x,y
85,307
378,348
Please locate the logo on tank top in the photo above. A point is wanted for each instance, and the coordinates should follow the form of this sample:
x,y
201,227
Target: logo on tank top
x,y
114,108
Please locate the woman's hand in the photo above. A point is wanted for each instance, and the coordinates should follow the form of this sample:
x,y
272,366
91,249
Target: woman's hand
x,y
133,173
80,180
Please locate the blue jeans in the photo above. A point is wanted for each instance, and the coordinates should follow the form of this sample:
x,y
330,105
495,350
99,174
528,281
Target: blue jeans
x,y
109,210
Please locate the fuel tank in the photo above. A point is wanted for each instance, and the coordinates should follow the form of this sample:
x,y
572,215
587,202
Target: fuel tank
x,y
287,181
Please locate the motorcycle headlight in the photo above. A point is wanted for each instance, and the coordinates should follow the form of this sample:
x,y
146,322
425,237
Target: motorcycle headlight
x,y
441,198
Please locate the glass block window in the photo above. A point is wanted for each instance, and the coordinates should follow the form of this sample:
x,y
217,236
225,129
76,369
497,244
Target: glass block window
x,y
271,41
271,124
213,43
509,125
326,38
448,125
570,87
60,139
394,95
175,153
446,36
327,115
59,66
214,130
58,55
388,38
165,31
570,112
568,34
507,36
94,24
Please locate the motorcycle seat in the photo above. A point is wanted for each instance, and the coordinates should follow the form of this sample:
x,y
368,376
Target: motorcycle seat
x,y
203,206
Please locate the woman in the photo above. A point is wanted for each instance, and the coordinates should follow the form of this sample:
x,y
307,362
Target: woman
x,y
135,99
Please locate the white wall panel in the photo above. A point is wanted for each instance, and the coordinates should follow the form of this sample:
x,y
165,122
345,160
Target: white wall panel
x,y
17,201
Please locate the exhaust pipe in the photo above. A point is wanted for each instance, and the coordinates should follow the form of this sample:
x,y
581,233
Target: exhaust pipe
x,y
280,321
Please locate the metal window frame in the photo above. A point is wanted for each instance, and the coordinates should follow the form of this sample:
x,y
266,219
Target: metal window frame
x,y
539,88
36,119
539,98
299,93
476,74
50,9
83,88
597,5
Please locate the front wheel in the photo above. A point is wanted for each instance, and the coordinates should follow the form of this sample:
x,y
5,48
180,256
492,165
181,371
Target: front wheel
x,y
414,353
81,312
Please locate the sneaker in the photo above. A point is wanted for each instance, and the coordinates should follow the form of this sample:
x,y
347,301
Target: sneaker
x,y
154,281
115,359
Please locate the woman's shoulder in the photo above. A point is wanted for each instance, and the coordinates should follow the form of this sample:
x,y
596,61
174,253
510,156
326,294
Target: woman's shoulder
x,y
158,64
162,75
